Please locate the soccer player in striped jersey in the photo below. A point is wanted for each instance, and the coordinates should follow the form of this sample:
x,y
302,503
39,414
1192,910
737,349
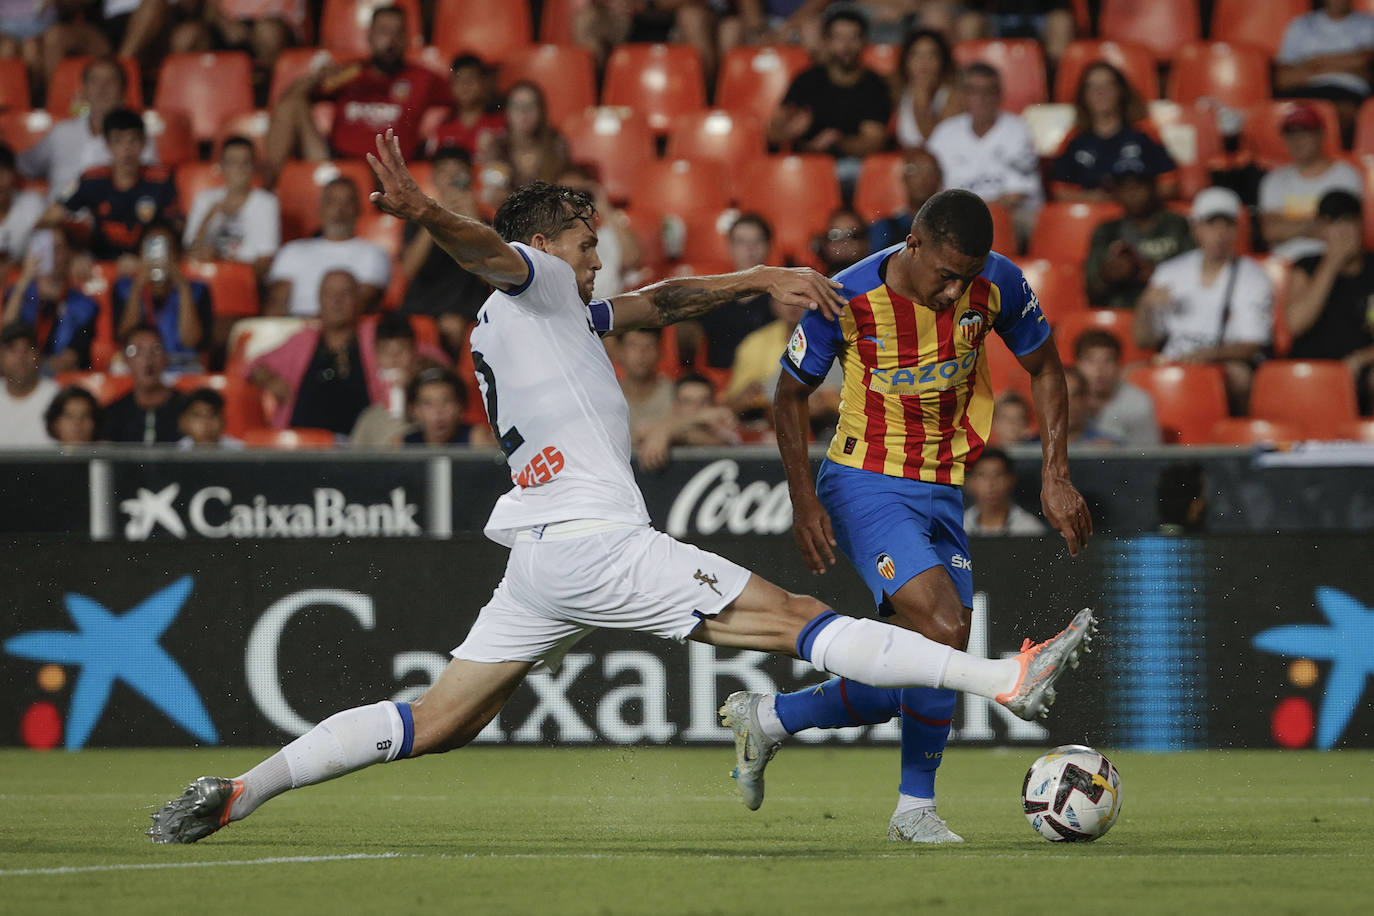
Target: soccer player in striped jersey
x,y
915,412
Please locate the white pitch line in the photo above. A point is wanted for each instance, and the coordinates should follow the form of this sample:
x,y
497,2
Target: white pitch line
x,y
149,866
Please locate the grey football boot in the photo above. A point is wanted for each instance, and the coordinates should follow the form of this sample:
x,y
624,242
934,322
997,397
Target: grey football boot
x,y
753,749
1043,663
924,826
198,812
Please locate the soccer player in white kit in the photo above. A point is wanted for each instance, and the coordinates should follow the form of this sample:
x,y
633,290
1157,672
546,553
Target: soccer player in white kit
x,y
582,552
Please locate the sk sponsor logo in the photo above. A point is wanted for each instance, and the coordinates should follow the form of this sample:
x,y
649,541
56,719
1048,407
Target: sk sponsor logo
x,y
886,567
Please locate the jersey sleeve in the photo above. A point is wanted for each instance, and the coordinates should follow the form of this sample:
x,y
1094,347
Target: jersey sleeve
x,y
812,348
601,316
550,286
1021,323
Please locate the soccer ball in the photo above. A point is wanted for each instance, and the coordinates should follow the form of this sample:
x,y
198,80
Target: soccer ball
x,y
1072,794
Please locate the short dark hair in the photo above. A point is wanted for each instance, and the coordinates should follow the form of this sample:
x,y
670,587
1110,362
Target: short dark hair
x,y
993,453
238,140
843,12
59,403
465,61
6,158
1096,337
385,11
1339,205
123,119
453,152
751,218
1012,397
342,180
959,218
394,326
978,68
540,208
436,375
106,60
693,378
18,330
141,328
208,396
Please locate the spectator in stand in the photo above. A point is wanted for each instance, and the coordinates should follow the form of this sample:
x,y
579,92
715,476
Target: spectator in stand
x,y
435,284
157,293
324,377
293,281
369,97
844,242
262,28
991,482
755,372
926,87
1107,130
19,213
921,177
72,416
616,246
202,422
989,151
47,298
749,237
1326,54
236,221
150,413
1330,308
76,145
1048,21
120,199
26,394
770,22
398,359
1288,195
1210,305
1081,430
473,122
600,25
839,107
1011,420
1116,409
529,149
648,392
1124,251
695,419
436,399
22,32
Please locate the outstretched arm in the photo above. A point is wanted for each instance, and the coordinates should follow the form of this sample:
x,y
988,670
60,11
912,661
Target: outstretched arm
x,y
472,243
676,300
1063,505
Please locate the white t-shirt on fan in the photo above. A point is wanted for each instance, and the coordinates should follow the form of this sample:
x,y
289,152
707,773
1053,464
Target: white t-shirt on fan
x,y
551,393
21,419
1193,319
304,263
251,233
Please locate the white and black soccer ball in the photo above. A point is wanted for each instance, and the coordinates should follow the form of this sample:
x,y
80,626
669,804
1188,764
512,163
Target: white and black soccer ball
x,y
1072,794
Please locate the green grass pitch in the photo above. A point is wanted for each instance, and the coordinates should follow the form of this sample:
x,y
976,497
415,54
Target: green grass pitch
x,y
570,831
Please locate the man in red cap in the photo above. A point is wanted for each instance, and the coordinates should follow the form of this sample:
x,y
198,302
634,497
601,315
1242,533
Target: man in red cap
x,y
1288,195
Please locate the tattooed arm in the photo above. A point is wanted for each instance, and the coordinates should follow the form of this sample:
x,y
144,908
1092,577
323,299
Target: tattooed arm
x,y
676,300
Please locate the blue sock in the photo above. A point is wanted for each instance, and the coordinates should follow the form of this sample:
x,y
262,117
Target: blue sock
x,y
838,703
926,714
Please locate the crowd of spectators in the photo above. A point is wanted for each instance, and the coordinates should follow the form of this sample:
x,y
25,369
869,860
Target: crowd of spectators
x,y
109,254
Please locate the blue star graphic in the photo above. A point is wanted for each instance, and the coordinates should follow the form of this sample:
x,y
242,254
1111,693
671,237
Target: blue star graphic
x,y
125,648
1348,643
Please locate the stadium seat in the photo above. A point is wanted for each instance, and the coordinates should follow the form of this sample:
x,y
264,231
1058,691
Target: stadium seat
x,y
1243,21
1163,26
288,439
233,286
659,80
21,128
681,187
753,80
380,228
556,20
717,135
1189,400
1117,322
1262,136
1005,372
106,388
1064,229
1252,431
881,188
1193,140
1003,230
1360,430
1233,75
298,192
344,24
242,401
207,88
193,177
566,74
14,83
170,132
796,194
881,57
491,29
251,125
1134,60
1317,395
1020,61
1050,124
1057,284
617,141
64,89
707,242
291,65
1279,271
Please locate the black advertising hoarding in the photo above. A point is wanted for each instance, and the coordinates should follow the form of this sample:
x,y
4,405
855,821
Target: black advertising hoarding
x,y
1223,642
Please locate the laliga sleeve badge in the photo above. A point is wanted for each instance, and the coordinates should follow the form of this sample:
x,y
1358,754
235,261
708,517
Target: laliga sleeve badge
x,y
796,347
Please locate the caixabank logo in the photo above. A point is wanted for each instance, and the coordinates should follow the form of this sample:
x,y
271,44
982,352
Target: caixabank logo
x,y
213,512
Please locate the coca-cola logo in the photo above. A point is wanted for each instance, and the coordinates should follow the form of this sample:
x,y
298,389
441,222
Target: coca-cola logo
x,y
714,500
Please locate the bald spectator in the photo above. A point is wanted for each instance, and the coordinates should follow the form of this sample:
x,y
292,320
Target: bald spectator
x,y
294,278
922,179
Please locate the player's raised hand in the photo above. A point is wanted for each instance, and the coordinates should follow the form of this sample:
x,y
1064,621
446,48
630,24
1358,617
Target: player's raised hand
x,y
815,538
804,287
1066,510
400,195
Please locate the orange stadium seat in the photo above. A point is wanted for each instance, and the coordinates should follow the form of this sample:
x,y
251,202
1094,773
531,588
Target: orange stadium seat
x,y
1192,139
1234,75
1317,395
207,88
717,135
344,24
1057,284
1003,230
1252,431
1005,372
659,80
796,194
1063,229
14,83
707,242
754,80
1246,22
21,128
566,74
1021,63
291,65
1361,430
233,286
170,132
298,192
288,439
1135,61
1189,400
491,29
1364,128
1263,139
1279,271
881,188
64,89
681,187
1163,26
1117,322
106,388
250,125
380,228
616,140
881,57
193,177
556,20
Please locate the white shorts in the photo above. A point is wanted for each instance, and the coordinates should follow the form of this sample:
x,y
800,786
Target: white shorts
x,y
565,580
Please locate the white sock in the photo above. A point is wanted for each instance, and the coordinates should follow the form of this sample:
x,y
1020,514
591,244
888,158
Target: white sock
x,y
882,655
346,741
987,677
908,803
769,723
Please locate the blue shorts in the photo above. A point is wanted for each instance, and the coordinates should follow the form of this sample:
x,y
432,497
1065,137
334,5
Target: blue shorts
x,y
893,529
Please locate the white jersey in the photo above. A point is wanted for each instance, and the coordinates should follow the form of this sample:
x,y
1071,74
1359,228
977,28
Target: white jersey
x,y
552,398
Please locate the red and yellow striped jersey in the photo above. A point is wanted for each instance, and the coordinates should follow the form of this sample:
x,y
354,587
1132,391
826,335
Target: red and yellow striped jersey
x,y
917,400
